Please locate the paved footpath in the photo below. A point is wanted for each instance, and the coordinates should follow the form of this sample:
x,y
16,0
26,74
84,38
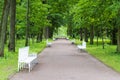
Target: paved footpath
x,y
63,61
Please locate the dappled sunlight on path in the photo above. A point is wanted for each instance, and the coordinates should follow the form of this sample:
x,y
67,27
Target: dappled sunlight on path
x,y
63,61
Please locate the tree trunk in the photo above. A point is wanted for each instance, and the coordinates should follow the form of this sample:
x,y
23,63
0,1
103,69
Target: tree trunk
x,y
4,25
46,32
114,36
12,25
51,32
103,43
81,34
86,35
4,7
69,30
91,34
39,36
97,37
27,27
6,36
118,40
33,38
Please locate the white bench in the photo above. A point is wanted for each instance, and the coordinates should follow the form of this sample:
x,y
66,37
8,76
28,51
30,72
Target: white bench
x,y
54,39
83,46
67,38
48,44
26,59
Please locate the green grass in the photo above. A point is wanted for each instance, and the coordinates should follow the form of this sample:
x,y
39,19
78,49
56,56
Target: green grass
x,y
8,64
108,55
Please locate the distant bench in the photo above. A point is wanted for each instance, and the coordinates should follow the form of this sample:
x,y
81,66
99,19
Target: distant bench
x,y
83,46
48,44
26,60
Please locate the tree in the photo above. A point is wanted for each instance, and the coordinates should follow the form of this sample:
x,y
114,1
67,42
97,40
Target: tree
x,y
114,16
1,4
38,18
4,25
11,46
28,24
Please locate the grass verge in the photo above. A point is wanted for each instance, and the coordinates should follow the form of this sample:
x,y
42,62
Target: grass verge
x,y
108,55
8,64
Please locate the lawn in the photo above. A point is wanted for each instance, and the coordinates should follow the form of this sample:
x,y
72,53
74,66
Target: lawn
x,y
8,64
108,55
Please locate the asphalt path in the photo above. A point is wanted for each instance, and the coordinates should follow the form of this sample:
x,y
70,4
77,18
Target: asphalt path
x,y
63,61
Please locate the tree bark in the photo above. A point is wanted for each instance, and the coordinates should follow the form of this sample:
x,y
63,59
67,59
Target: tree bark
x,y
1,19
86,34
51,32
27,27
118,40
39,36
91,34
97,37
69,30
4,25
114,36
11,46
46,32
81,34
103,43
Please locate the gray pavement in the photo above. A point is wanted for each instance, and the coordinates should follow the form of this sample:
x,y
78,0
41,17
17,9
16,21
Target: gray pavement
x,y
63,61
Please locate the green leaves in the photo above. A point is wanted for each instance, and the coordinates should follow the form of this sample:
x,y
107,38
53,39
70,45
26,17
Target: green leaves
x,y
96,12
39,13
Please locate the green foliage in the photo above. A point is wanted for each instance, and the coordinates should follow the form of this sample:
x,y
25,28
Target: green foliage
x,y
97,13
62,32
20,18
59,11
21,12
39,13
38,16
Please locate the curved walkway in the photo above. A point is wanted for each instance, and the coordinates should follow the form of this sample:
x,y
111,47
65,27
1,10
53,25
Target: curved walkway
x,y
63,61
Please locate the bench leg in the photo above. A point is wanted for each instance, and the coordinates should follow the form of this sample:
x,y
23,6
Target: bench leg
x,y
18,66
29,67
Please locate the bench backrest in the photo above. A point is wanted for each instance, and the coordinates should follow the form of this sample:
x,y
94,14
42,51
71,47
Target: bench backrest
x,y
23,53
